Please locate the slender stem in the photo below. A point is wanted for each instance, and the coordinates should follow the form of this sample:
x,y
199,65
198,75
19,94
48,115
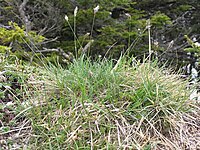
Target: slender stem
x,y
75,46
149,33
92,30
74,34
92,26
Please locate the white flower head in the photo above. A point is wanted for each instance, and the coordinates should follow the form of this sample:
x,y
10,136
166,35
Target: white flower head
x,y
96,9
87,34
66,18
128,15
197,44
75,11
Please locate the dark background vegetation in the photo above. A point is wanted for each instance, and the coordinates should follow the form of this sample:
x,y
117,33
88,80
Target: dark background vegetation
x,y
118,27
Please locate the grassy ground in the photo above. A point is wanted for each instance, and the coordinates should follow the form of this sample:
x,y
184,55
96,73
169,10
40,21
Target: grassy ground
x,y
96,105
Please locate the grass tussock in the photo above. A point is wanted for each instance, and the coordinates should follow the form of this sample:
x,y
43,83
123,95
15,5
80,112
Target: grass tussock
x,y
97,105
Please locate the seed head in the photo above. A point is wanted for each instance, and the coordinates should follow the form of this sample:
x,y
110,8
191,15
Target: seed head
x,y
66,18
96,9
75,11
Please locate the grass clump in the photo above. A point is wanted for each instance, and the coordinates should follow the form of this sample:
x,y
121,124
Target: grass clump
x,y
104,105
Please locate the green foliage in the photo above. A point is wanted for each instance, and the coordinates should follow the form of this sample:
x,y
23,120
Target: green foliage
x,y
4,49
106,4
17,34
159,20
21,44
195,48
183,8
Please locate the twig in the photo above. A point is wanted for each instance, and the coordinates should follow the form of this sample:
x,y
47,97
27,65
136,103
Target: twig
x,y
58,50
26,22
84,49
